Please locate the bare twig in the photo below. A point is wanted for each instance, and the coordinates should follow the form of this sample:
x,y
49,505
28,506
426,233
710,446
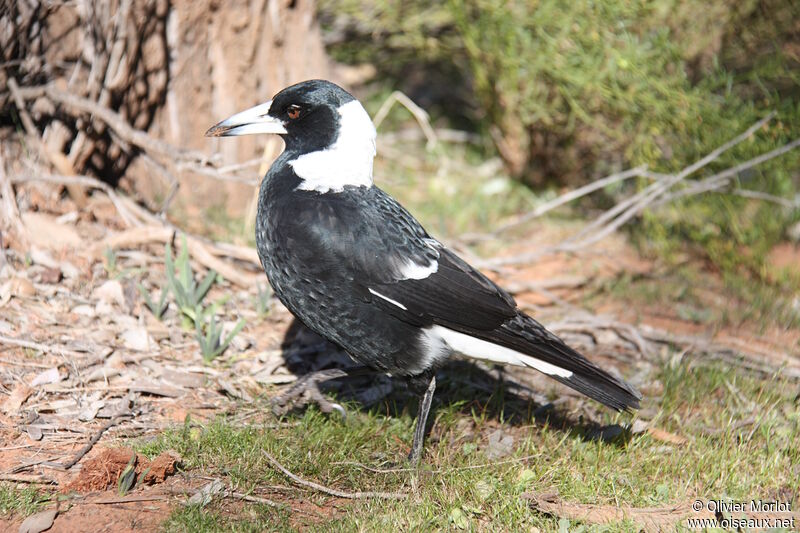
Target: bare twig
x,y
720,179
127,217
9,213
127,132
22,343
419,114
574,195
57,159
25,478
255,499
333,492
89,445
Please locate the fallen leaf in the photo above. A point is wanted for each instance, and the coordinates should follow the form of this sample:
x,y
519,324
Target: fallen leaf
x,y
38,522
110,292
34,432
17,398
44,231
50,276
666,436
48,376
90,411
42,257
69,270
16,287
136,339
204,496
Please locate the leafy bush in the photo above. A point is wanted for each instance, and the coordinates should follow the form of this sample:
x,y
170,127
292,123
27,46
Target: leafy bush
x,y
569,91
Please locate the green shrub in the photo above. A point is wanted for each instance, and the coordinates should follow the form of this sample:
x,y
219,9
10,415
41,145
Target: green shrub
x,y
570,91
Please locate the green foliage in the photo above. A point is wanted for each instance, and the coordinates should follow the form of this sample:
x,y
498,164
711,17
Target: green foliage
x,y
18,500
188,293
568,91
262,299
110,263
127,479
189,296
157,307
211,343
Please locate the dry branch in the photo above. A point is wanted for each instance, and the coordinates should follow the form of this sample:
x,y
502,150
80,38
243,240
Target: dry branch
x,y
646,519
416,111
89,445
333,492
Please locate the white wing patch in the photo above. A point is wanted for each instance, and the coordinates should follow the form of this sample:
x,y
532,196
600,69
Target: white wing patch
x,y
412,270
435,337
393,302
347,162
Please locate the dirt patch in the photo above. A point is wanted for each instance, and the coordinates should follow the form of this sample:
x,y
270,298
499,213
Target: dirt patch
x,y
103,470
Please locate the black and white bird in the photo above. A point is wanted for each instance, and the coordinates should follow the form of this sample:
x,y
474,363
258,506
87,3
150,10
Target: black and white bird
x,y
355,267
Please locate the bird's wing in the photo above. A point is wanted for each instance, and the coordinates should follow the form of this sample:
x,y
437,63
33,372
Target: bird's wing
x,y
417,279
472,314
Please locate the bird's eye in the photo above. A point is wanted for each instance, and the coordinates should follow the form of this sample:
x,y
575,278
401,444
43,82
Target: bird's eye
x,y
293,111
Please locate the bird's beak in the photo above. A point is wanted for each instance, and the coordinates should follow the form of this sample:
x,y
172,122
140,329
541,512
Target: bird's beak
x,y
248,122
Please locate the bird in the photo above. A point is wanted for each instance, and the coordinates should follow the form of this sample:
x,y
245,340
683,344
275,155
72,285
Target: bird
x,y
353,265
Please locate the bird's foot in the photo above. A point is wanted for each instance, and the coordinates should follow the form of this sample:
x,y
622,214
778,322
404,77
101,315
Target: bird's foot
x,y
306,391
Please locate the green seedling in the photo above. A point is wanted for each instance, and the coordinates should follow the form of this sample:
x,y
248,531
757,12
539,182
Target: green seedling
x,y
157,307
189,294
211,343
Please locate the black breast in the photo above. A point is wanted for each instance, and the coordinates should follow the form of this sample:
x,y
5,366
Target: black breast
x,y
310,244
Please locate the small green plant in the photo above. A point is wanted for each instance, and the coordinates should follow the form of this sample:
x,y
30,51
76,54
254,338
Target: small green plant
x,y
157,307
110,263
211,343
262,299
127,479
189,294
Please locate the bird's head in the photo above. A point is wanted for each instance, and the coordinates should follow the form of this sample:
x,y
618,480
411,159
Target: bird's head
x,y
310,116
329,137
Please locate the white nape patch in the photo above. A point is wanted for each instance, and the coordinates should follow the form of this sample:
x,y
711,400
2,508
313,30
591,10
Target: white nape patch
x,y
412,270
348,161
436,336
393,302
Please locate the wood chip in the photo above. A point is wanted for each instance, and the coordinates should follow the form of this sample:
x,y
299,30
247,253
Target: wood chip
x,y
666,436
17,398
51,375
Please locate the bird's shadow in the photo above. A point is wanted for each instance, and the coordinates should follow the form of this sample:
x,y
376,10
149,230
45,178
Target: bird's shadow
x,y
470,388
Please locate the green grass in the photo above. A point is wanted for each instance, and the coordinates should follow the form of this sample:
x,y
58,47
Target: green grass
x,y
723,458
257,518
21,500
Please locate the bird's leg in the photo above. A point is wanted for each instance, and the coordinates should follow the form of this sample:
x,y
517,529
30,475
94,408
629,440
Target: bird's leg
x,y
422,419
306,390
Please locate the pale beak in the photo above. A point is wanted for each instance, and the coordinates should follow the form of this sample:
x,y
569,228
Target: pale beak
x,y
248,122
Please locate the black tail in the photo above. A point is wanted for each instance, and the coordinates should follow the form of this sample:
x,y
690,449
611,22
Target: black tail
x,y
525,335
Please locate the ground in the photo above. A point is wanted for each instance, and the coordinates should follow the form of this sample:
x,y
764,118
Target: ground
x,y
81,351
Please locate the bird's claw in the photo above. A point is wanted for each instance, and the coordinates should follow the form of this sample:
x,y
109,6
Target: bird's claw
x,y
307,391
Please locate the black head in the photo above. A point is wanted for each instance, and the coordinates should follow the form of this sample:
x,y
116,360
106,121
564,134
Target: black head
x,y
306,115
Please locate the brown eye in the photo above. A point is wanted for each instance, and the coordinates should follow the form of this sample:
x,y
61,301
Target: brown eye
x,y
293,112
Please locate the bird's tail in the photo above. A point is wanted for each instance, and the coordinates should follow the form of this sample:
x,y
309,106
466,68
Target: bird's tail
x,y
523,341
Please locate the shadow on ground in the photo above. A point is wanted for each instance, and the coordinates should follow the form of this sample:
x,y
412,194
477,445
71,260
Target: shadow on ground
x,y
473,387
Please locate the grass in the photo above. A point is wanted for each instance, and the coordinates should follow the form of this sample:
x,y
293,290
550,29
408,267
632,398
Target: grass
x,y
23,500
708,405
